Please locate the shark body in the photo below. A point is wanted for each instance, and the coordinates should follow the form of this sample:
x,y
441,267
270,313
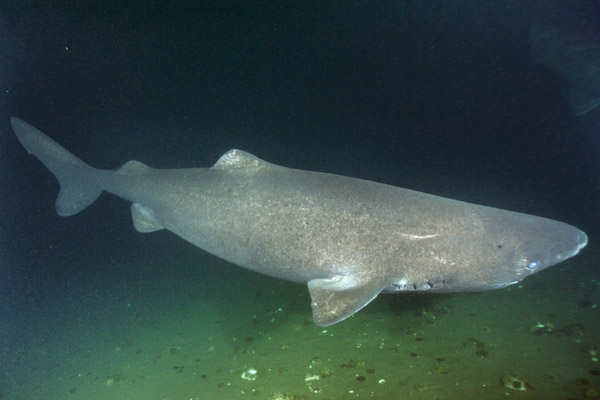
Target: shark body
x,y
349,239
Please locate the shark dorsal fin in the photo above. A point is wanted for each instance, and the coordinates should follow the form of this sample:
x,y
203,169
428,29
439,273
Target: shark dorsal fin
x,y
238,159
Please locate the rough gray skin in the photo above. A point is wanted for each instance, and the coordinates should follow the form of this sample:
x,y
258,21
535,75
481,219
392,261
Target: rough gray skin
x,y
348,238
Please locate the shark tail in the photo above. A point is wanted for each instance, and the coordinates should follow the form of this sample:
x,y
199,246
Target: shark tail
x,y
80,184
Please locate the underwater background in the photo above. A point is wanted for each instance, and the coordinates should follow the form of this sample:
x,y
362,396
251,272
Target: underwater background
x,y
443,97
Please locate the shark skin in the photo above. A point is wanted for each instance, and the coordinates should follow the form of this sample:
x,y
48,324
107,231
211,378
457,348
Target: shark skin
x,y
349,239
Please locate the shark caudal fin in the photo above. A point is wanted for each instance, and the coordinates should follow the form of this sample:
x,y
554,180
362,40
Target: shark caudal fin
x,y
80,184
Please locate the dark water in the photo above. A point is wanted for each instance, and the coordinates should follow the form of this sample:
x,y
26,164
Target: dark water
x,y
440,97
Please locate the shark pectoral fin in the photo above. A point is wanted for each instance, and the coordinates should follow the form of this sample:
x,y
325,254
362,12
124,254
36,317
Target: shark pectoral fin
x,y
144,219
337,298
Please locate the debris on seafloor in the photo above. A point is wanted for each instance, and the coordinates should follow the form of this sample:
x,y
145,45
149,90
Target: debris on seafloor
x,y
515,382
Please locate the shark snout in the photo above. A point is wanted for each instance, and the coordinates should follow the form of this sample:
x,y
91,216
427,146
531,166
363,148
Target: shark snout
x,y
581,241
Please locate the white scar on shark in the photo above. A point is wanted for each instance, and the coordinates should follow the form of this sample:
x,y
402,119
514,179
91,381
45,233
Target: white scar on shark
x,y
417,237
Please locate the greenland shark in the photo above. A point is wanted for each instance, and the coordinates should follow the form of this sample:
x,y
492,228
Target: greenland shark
x,y
349,239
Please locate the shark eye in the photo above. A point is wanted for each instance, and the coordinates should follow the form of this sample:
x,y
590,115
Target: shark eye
x,y
533,265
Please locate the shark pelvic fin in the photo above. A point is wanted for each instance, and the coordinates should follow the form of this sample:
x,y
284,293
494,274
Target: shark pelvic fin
x,y
144,219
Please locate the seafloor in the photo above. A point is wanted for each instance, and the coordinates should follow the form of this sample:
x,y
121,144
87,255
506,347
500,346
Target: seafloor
x,y
177,324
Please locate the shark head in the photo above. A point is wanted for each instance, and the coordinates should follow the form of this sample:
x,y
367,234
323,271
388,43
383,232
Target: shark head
x,y
494,249
514,246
